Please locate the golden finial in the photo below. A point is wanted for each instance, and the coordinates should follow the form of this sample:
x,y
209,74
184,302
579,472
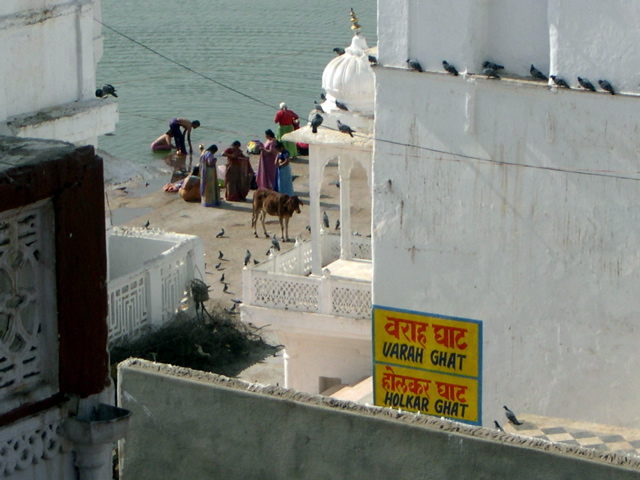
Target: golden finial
x,y
355,26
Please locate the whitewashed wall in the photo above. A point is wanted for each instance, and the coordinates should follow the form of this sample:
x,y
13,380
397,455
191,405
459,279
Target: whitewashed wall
x,y
547,260
47,84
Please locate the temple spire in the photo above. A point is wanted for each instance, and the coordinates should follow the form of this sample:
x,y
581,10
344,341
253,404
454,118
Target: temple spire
x,y
355,26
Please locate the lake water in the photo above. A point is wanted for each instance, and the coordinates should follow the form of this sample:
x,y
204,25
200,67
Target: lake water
x,y
268,50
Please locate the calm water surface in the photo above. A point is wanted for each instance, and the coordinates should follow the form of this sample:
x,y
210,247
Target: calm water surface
x,y
272,50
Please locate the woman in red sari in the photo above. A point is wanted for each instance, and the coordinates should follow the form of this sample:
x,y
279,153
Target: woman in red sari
x,y
239,174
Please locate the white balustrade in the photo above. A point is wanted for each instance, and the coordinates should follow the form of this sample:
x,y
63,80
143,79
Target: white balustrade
x,y
284,282
149,279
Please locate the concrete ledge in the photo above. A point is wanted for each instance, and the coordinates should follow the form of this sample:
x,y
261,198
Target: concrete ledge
x,y
213,425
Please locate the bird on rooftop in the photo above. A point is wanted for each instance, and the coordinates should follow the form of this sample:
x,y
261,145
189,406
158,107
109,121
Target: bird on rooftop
x,y
450,68
316,121
220,254
414,65
559,81
495,422
318,107
275,243
325,220
220,234
105,91
345,128
492,66
586,84
535,73
247,257
341,106
323,97
511,416
338,224
339,51
606,86
372,60
490,73
256,262
146,224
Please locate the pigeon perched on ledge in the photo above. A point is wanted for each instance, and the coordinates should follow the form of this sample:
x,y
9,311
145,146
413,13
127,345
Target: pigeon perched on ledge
x,y
105,91
606,86
492,66
450,68
316,121
345,128
537,74
511,416
414,65
586,84
339,51
559,81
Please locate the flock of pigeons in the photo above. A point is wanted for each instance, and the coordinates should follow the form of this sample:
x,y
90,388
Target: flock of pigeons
x,y
491,70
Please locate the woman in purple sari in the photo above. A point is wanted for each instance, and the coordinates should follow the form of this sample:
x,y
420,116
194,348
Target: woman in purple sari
x,y
267,165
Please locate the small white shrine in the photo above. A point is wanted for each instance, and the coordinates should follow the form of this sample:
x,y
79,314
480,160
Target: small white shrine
x,y
317,296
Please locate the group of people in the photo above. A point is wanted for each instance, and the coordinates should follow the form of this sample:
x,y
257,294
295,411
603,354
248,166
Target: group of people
x,y
274,169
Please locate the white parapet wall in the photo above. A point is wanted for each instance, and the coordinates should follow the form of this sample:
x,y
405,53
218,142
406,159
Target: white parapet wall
x,y
149,274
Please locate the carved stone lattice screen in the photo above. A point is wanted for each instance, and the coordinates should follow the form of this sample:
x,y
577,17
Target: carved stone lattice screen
x,y
28,334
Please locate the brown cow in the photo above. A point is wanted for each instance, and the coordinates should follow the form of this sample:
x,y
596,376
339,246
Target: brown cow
x,y
273,203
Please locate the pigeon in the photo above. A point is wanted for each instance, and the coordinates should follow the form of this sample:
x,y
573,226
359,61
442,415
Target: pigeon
x,y
235,300
316,122
247,257
122,188
372,60
338,224
308,227
233,307
535,73
323,97
220,254
325,220
230,311
341,106
511,416
222,278
449,68
492,66
218,265
105,91
275,243
495,422
225,288
318,107
220,234
345,128
586,84
490,73
256,262
606,86
414,65
339,51
146,224
559,81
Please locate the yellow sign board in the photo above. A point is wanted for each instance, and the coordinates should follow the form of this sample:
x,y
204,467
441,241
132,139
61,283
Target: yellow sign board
x,y
416,354
427,392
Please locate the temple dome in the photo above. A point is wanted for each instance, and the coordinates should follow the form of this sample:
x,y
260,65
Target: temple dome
x,y
349,78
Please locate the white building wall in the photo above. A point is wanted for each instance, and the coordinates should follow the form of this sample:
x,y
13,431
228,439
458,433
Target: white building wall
x,y
47,83
547,259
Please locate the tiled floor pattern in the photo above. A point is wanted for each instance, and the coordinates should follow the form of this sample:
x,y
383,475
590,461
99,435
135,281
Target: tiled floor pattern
x,y
602,438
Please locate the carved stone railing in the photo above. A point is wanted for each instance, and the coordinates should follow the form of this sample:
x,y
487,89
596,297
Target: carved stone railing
x,y
284,282
148,279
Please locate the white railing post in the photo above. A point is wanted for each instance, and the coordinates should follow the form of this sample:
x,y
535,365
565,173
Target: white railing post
x,y
247,286
155,305
324,293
